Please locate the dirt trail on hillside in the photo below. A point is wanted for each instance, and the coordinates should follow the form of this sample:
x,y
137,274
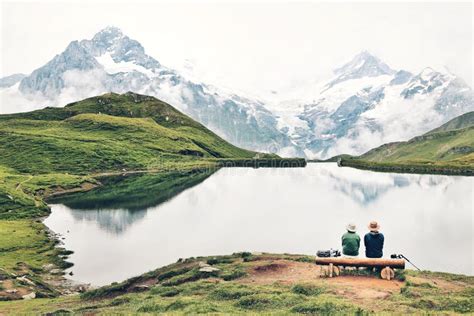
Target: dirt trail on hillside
x,y
292,272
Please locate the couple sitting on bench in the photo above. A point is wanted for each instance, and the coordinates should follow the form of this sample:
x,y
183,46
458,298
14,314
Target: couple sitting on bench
x,y
373,241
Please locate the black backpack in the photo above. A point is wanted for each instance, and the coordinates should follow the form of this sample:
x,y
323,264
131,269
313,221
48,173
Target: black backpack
x,y
328,253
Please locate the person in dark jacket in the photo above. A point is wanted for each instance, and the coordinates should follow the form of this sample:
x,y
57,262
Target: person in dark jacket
x,y
373,241
350,241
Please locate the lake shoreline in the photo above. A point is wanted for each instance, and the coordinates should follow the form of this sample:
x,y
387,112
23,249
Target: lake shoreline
x,y
407,168
56,261
264,283
398,168
73,287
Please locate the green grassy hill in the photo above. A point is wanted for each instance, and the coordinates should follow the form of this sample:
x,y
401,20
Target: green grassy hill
x,y
447,149
65,148
460,122
109,132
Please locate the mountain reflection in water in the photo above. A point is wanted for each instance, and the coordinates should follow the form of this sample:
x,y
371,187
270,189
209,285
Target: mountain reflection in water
x,y
124,200
133,225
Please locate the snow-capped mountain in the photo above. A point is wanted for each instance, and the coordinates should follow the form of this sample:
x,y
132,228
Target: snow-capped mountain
x,y
111,61
11,80
367,103
364,104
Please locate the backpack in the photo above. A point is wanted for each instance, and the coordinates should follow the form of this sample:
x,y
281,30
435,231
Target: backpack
x,y
328,253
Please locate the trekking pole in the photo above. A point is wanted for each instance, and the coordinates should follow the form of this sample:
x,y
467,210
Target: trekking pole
x,y
410,262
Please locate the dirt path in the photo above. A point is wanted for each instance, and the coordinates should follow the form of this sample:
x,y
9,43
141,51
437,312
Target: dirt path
x,y
292,272
24,181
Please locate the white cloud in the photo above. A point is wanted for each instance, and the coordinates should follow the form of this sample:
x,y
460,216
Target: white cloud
x,y
79,85
12,101
254,47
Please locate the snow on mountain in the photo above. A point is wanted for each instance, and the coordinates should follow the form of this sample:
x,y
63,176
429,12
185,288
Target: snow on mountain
x,y
367,104
364,65
364,104
11,80
111,61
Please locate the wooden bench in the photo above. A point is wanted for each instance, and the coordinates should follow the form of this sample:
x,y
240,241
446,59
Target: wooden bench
x,y
386,265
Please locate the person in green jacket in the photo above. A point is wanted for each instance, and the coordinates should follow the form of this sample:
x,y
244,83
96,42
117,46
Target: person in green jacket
x,y
350,241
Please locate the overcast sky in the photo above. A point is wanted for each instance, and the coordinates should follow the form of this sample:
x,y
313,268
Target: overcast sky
x,y
249,46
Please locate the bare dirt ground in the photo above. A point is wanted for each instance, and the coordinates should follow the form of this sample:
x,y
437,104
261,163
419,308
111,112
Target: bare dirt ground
x,y
292,272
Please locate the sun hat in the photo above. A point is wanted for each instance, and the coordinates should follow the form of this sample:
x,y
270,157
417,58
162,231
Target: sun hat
x,y
374,226
351,228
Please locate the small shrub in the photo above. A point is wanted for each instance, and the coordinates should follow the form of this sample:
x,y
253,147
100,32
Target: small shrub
x,y
119,301
151,308
409,292
426,304
165,291
322,308
219,260
190,276
106,291
244,254
172,273
307,289
400,275
230,292
305,259
233,274
177,305
256,302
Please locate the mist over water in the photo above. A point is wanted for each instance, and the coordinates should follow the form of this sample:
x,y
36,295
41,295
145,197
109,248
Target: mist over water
x,y
428,218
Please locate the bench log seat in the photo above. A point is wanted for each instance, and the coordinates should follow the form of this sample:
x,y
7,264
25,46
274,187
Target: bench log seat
x,y
386,265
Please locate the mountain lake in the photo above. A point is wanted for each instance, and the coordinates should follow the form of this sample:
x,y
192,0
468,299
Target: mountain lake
x,y
135,224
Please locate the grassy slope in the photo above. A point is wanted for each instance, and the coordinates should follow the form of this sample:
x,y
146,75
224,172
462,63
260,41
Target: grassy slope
x,y
242,286
460,122
106,133
25,247
449,148
60,149
64,146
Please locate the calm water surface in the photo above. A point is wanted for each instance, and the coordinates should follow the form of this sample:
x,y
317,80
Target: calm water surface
x,y
427,218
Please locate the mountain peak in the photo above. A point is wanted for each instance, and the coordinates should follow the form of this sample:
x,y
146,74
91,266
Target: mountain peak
x,y
364,64
108,36
109,32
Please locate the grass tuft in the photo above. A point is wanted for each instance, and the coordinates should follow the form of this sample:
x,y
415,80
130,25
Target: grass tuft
x,y
307,289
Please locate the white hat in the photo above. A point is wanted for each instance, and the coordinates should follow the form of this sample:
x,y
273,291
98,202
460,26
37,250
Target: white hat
x,y
351,228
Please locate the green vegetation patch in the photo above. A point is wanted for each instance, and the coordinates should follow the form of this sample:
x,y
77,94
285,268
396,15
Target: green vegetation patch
x,y
26,243
25,248
307,289
263,301
231,291
456,304
325,307
448,149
